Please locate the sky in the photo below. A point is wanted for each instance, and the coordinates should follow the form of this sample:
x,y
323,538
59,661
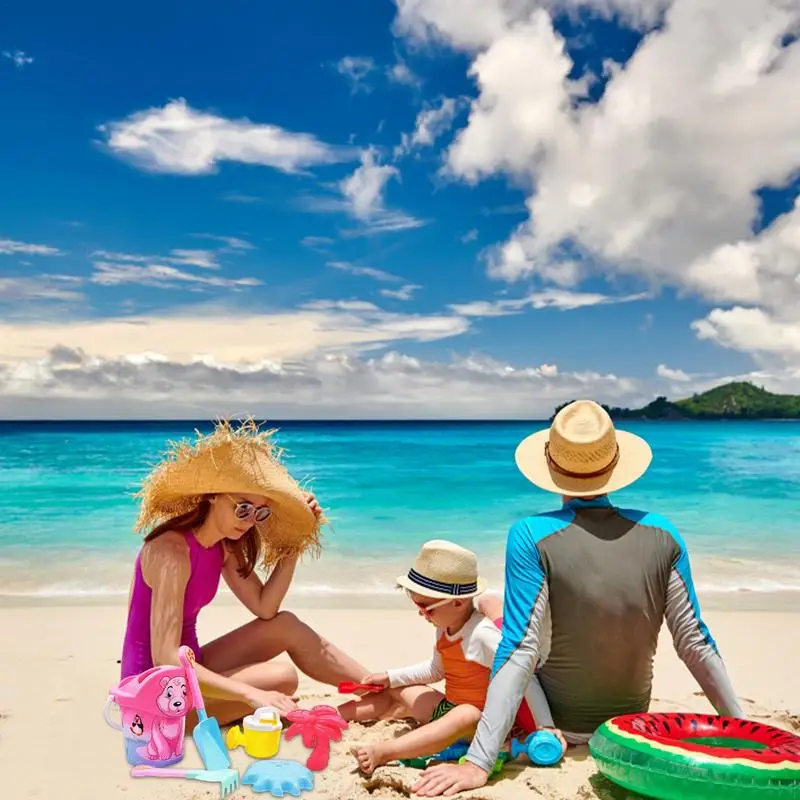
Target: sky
x,y
395,208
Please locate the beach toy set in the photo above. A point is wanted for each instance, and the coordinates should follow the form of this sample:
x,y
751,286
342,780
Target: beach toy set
x,y
153,708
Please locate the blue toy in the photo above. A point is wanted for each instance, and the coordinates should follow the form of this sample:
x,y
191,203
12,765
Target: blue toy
x,y
450,753
279,777
543,748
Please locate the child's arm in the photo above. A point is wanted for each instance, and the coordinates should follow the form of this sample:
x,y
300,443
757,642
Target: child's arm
x,y
482,646
426,672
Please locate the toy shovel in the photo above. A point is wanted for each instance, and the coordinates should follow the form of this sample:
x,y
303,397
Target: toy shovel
x,y
207,735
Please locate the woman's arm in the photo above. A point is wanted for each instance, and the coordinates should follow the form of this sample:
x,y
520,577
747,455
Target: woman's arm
x,y
265,599
166,569
262,599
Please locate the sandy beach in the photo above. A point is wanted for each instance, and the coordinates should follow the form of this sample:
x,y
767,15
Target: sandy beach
x,y
58,662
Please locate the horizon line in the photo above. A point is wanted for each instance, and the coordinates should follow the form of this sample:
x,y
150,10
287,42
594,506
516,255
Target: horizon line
x,y
287,420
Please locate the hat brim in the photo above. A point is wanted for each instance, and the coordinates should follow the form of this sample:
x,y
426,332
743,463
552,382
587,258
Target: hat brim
x,y
406,583
635,456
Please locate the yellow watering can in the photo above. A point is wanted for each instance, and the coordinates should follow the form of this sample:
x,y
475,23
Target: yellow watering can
x,y
260,734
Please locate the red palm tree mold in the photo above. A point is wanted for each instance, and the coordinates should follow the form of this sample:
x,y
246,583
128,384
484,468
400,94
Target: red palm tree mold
x,y
317,727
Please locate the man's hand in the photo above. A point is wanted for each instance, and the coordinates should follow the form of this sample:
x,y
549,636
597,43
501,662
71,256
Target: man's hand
x,y
447,779
559,736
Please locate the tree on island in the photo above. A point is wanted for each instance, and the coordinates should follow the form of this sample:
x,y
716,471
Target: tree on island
x,y
735,400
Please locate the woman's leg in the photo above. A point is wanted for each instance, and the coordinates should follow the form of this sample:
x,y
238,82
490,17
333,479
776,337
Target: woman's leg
x,y
266,676
458,723
243,653
415,701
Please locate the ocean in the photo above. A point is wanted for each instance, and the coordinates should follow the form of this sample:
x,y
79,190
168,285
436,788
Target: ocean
x,y
67,510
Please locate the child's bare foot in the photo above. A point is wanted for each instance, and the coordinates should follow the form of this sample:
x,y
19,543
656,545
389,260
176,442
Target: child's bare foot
x,y
369,757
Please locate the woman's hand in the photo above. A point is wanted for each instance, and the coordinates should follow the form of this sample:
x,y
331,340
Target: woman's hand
x,y
258,698
313,504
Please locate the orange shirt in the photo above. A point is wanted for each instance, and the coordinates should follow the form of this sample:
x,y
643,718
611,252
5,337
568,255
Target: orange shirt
x,y
463,660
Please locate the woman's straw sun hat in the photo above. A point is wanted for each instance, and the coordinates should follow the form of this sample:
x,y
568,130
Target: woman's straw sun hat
x,y
582,454
444,569
240,460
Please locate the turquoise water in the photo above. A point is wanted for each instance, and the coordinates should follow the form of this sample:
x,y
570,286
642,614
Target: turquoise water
x,y
66,510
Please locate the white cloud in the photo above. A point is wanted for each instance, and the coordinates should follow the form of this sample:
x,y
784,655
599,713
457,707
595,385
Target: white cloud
x,y
232,243
364,194
658,178
471,25
233,335
356,69
405,292
367,272
181,140
316,241
364,190
751,330
161,276
71,382
469,236
239,197
432,122
402,74
548,298
10,247
42,287
205,259
678,375
18,57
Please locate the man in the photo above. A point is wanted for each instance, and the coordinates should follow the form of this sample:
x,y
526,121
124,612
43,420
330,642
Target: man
x,y
609,576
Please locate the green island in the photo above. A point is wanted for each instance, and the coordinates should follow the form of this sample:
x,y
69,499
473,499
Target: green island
x,y
735,400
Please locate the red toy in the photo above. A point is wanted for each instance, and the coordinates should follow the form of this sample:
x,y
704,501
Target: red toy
x,y
524,718
348,687
317,727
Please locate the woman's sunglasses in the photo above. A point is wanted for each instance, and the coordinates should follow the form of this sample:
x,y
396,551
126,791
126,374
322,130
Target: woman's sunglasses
x,y
247,511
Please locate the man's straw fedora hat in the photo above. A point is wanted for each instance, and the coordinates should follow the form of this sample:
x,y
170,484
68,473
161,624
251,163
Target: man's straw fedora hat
x,y
444,569
582,454
231,460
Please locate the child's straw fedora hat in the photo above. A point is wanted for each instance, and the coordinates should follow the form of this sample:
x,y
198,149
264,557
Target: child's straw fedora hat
x,y
241,460
582,454
444,569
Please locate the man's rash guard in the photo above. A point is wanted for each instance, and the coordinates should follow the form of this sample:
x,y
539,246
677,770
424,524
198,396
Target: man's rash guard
x,y
609,577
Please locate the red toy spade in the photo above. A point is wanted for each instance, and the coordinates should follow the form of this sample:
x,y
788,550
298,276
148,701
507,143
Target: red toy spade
x,y
317,727
348,687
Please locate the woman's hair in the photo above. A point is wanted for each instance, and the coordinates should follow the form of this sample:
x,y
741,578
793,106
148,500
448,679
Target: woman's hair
x,y
246,549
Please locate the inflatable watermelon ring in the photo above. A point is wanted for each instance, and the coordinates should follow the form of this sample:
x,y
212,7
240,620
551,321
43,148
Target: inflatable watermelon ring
x,y
698,757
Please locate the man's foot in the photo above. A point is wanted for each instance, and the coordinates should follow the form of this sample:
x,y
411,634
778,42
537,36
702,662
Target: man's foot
x,y
369,757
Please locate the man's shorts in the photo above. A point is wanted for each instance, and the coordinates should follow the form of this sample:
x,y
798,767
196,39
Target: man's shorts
x,y
444,706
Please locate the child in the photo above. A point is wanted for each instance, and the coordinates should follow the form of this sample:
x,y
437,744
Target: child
x,y
442,584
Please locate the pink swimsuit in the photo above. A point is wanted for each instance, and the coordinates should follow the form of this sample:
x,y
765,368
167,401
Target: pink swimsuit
x,y
206,569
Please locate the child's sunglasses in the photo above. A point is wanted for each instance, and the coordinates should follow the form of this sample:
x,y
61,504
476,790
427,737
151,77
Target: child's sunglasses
x,y
247,511
426,609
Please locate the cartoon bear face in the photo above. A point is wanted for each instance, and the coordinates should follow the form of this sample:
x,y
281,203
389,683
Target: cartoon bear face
x,y
172,700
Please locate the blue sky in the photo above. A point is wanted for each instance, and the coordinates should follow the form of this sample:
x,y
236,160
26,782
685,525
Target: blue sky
x,y
258,163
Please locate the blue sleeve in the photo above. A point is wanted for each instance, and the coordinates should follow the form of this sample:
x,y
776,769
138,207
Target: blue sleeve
x,y
524,583
524,606
683,569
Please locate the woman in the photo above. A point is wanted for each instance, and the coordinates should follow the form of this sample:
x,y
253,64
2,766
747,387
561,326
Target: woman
x,y
215,509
